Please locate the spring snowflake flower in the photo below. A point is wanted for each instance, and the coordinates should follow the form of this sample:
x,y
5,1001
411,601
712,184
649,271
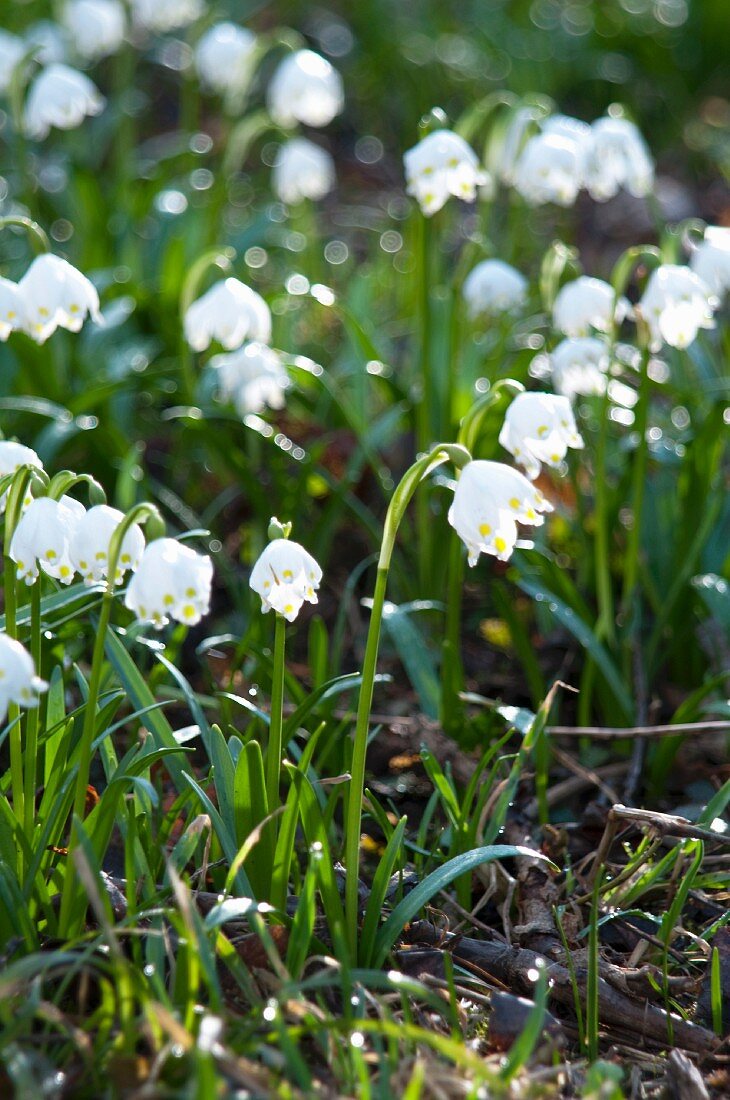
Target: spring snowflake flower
x,y
442,164
43,539
618,158
96,27
11,308
172,582
230,312
579,365
305,88
284,576
56,295
572,130
12,457
550,169
711,260
166,15
493,287
539,427
47,40
18,681
251,378
489,501
12,50
302,171
675,305
224,58
89,547
586,304
62,97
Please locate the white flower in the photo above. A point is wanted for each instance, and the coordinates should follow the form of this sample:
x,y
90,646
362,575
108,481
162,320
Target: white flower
x,y
539,427
60,96
618,158
89,547
166,15
43,538
572,130
489,501
96,27
11,308
711,260
171,582
303,171
675,305
230,312
56,295
586,304
579,365
12,49
550,169
12,457
47,41
284,576
305,88
251,378
442,164
18,681
224,58
493,287
504,160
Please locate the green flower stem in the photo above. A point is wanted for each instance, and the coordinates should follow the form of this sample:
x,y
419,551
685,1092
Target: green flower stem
x,y
452,673
638,488
31,727
37,234
441,453
605,626
424,396
276,724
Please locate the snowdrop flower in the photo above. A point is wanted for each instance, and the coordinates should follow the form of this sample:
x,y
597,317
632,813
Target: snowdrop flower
x,y
284,576
711,260
60,96
12,49
675,305
43,538
305,88
12,457
230,312
89,546
618,158
442,164
18,681
55,295
171,582
47,41
11,308
539,427
303,171
166,15
489,501
96,27
493,287
224,58
578,133
550,169
586,304
580,365
251,378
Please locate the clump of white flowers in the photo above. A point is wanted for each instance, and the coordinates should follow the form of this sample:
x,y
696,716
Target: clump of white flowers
x,y
224,57
490,499
251,378
89,545
711,260
19,683
494,287
539,427
166,15
62,97
586,304
579,365
675,305
285,576
440,165
96,27
54,294
302,170
42,539
230,312
172,581
305,88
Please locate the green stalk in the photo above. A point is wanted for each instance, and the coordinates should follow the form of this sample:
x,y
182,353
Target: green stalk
x,y
452,675
32,721
638,488
424,398
215,257
604,591
276,724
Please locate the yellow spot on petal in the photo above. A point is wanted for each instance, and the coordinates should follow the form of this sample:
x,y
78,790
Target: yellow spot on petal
x,y
51,554
485,529
514,503
500,545
168,600
288,609
542,430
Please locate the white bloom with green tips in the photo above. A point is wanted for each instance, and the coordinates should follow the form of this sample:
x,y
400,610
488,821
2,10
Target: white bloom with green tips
x,y
285,576
230,312
42,539
55,294
89,549
19,683
539,427
172,582
490,499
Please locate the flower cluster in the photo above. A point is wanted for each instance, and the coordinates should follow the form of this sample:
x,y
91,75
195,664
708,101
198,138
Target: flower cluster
x,y
52,294
440,165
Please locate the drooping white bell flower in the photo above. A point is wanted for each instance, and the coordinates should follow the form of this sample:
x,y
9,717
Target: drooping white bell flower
x,y
172,582
19,683
89,547
43,537
440,165
284,576
579,365
489,501
302,170
12,49
47,40
550,169
11,308
539,427
711,260
96,27
12,457
230,312
224,58
619,158
62,97
573,130
56,295
493,287
586,304
305,88
675,305
251,378
166,15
